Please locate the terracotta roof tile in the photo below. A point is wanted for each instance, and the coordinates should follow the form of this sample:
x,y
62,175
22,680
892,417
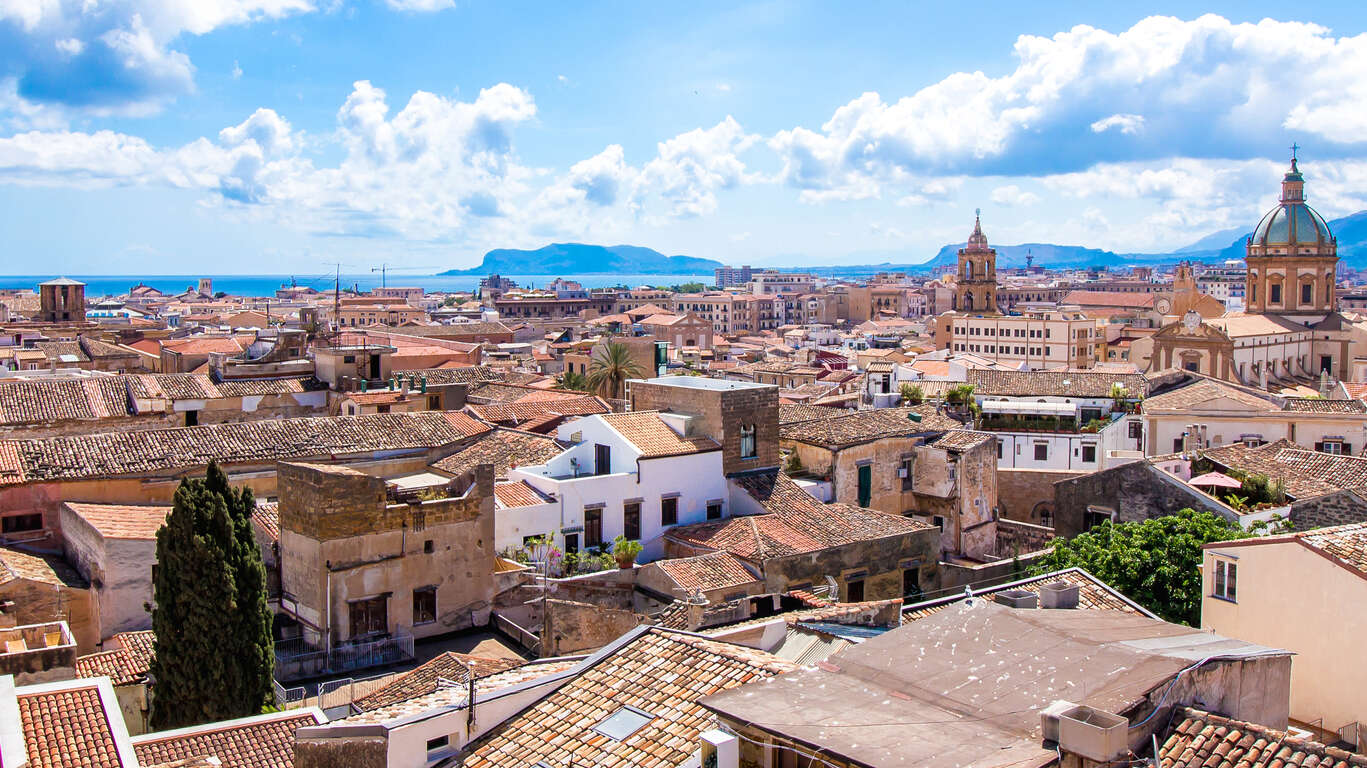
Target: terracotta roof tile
x,y
1322,405
121,453
657,671
454,695
796,413
503,448
68,728
963,439
714,570
423,679
124,665
517,412
1057,383
1198,739
267,516
859,427
43,401
122,521
518,494
1305,474
653,437
45,569
1206,390
264,741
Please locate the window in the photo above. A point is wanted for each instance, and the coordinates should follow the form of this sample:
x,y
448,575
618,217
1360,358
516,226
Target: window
x,y
21,523
1331,446
1000,445
424,605
714,510
1041,451
602,459
747,442
192,418
369,617
1088,454
669,510
854,591
1307,293
571,543
593,527
1177,445
631,520
911,582
439,743
1136,429
907,471
938,521
1274,293
427,547
1226,580
621,724
1095,516
1046,517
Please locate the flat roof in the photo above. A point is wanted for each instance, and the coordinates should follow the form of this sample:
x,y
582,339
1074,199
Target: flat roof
x,y
702,382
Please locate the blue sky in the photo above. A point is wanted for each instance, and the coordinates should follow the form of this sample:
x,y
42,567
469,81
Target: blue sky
x,y
239,136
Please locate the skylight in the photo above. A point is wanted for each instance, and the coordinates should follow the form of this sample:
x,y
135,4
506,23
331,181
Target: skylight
x,y
622,723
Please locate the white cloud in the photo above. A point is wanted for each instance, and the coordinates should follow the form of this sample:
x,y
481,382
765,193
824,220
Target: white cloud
x,y
1203,88
690,168
70,46
1126,124
1012,195
237,71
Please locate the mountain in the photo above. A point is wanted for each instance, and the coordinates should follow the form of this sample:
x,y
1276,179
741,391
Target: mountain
x,y
582,259
1215,241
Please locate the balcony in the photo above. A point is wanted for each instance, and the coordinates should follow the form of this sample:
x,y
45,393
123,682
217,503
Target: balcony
x,y
297,659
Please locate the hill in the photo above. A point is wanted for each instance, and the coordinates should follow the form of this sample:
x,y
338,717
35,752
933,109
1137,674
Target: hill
x,y
583,259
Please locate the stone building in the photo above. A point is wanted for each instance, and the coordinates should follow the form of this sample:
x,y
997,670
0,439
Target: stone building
x,y
975,287
359,562
741,416
61,300
36,589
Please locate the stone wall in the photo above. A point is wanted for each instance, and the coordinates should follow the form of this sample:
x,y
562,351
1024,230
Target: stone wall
x,y
1338,508
720,413
350,752
878,562
572,627
1017,538
955,576
328,502
1027,495
1134,491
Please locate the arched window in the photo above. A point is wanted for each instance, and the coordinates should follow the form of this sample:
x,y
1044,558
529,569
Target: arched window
x,y
968,270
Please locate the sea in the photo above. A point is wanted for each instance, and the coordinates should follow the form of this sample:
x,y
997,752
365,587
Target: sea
x,y
266,285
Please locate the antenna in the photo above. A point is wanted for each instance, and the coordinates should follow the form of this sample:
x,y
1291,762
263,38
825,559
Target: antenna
x,y
381,269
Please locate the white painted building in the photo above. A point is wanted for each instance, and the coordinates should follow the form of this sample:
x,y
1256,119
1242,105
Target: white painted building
x,y
632,474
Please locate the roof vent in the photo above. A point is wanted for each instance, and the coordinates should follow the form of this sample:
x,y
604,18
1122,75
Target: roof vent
x,y
1058,594
719,749
1093,734
1017,598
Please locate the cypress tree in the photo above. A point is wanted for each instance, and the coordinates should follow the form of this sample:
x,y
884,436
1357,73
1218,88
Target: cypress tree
x,y
213,656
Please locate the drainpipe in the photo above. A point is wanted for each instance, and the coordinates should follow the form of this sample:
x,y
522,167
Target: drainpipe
x,y
327,610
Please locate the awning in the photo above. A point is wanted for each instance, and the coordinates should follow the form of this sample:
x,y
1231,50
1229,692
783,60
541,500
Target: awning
x,y
1027,408
1215,479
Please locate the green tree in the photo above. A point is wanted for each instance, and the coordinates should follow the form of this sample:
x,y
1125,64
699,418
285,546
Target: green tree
x,y
574,381
213,657
610,368
912,394
1156,563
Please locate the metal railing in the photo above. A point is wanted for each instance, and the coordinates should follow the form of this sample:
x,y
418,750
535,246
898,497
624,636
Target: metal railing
x,y
296,658
288,698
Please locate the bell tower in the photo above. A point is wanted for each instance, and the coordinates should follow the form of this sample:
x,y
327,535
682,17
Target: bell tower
x,y
975,287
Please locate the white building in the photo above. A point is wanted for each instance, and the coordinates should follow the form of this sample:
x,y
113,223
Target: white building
x,y
631,474
1038,340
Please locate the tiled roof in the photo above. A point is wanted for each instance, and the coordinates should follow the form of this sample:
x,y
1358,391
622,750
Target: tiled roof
x,y
1200,739
203,345
503,448
264,741
200,386
963,439
1109,299
714,570
1057,383
1205,390
267,515
68,728
759,537
1343,545
519,412
866,426
518,494
653,437
122,521
1322,405
776,492
454,695
1093,594
657,671
45,569
42,401
466,375
123,665
798,412
55,350
102,455
423,679
1305,474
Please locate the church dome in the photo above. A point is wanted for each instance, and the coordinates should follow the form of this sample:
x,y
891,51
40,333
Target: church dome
x,y
1292,223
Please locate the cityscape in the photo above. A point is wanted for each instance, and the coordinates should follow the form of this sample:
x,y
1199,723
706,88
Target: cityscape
x,y
1000,488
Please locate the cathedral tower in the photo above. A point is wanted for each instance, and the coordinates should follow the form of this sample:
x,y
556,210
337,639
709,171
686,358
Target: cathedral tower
x,y
975,288
1291,256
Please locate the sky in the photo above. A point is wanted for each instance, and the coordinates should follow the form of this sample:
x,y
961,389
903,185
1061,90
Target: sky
x,y
289,136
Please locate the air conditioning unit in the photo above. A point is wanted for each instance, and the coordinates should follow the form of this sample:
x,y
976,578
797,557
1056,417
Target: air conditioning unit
x,y
1093,734
1016,598
1048,718
719,749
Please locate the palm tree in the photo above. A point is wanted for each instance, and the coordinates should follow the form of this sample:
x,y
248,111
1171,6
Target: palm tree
x,y
610,369
574,381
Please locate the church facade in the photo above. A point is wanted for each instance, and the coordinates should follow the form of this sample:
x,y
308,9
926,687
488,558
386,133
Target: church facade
x,y
1290,332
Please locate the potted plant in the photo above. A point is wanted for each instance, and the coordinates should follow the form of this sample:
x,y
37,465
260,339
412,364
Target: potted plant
x,y
625,550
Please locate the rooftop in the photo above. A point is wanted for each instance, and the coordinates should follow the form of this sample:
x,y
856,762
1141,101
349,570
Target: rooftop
x,y
122,521
124,665
45,569
653,437
504,448
424,679
1343,545
857,427
1305,474
262,741
702,382
714,570
1058,383
795,531
1199,739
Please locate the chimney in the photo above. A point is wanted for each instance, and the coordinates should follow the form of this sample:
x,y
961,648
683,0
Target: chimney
x,y
696,603
1058,594
719,749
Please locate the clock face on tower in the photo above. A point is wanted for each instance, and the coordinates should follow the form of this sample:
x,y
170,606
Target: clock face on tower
x,y
1191,321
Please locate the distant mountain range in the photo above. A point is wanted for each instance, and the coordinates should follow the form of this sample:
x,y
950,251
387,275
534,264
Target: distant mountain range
x,y
581,259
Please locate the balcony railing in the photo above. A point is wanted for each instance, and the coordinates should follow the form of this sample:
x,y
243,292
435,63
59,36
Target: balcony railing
x,y
296,659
